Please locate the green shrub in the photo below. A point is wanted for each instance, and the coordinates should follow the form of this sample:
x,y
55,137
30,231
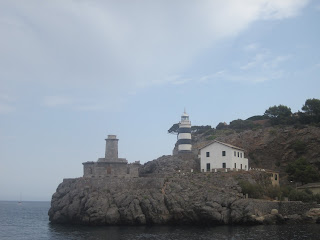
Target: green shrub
x,y
211,137
302,171
252,189
299,146
273,192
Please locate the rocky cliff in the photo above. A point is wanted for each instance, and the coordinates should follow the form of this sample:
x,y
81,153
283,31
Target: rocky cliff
x,y
177,197
168,192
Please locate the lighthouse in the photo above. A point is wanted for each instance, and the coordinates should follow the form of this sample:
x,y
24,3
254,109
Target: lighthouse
x,y
184,134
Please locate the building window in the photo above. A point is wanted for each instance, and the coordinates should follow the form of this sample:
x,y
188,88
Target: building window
x,y
235,165
238,154
223,153
241,155
276,177
224,165
208,167
241,166
235,153
208,154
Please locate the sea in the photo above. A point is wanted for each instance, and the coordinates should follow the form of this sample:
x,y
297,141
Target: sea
x,y
29,220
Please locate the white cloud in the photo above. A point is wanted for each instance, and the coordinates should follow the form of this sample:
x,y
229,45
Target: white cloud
x,y
118,47
262,66
214,76
80,103
251,47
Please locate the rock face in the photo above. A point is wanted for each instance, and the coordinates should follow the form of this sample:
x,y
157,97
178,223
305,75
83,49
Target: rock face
x,y
180,199
183,198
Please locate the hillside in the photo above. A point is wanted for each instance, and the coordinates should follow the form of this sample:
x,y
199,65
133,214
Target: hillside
x,y
272,140
269,147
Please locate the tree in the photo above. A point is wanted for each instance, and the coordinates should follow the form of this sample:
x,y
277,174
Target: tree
x,y
241,124
221,125
278,114
256,117
201,129
302,171
174,129
280,111
311,109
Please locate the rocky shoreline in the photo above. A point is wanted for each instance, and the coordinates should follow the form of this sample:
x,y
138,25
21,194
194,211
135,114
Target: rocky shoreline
x,y
193,198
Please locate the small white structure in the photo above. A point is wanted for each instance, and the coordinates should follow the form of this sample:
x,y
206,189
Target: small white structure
x,y
184,135
217,155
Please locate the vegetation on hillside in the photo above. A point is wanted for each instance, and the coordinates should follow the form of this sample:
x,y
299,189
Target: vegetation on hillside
x,y
302,171
259,191
273,116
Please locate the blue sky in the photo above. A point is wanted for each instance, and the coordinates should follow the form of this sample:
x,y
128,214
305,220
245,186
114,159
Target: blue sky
x,y
72,72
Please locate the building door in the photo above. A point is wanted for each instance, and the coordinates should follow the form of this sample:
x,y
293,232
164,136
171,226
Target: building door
x,y
224,165
241,166
208,167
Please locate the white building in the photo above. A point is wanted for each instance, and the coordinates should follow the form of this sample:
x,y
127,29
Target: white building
x,y
217,155
184,135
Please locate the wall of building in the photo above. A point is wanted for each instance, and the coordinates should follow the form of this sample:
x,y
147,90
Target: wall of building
x,y
238,160
314,190
105,169
274,178
216,159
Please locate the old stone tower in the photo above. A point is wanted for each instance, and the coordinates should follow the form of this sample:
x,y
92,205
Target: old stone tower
x,y
184,134
111,148
111,164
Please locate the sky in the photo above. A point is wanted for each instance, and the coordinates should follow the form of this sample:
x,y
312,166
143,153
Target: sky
x,y
74,71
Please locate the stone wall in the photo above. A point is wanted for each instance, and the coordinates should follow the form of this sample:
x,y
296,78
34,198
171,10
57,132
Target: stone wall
x,y
263,207
101,169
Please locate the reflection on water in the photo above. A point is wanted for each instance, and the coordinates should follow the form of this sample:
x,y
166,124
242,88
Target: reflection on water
x,y
30,221
186,232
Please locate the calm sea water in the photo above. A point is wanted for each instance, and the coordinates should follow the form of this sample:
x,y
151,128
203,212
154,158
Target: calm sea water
x,y
30,221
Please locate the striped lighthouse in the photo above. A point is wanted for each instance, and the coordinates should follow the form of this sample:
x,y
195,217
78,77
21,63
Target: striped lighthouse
x,y
184,134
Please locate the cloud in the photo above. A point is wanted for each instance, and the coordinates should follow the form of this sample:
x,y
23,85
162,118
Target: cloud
x,y
79,103
251,47
90,45
217,75
263,65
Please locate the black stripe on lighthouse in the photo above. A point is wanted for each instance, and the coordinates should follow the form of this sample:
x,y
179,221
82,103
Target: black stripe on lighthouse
x,y
184,141
184,130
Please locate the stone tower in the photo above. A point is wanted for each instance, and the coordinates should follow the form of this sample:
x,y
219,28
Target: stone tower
x,y
111,148
184,134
